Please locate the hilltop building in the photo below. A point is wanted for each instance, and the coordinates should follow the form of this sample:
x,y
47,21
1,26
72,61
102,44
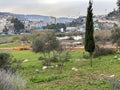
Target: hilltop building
x,y
52,20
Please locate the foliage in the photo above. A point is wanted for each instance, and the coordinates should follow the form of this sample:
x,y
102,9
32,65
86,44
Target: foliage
x,y
4,59
116,36
11,81
18,25
7,62
69,34
56,27
46,43
89,39
115,84
46,78
103,51
103,36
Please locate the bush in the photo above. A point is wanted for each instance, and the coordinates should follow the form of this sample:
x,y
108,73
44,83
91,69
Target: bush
x,y
103,51
4,59
102,36
11,81
115,84
116,36
7,62
100,52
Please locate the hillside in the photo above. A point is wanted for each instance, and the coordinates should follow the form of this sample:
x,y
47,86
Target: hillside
x,y
38,17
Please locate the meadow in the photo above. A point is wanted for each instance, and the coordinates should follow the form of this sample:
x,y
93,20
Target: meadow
x,y
76,73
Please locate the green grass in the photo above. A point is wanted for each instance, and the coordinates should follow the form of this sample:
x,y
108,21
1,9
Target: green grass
x,y
86,78
9,45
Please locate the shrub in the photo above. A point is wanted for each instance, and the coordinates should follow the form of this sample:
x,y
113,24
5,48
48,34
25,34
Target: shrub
x,y
4,59
11,81
100,52
115,84
9,63
116,36
103,51
102,36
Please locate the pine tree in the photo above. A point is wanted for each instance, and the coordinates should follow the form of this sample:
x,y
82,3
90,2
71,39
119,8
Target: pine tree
x,y
89,39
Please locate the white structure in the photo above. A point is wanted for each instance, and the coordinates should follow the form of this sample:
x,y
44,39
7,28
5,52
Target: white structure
x,y
71,29
52,20
5,20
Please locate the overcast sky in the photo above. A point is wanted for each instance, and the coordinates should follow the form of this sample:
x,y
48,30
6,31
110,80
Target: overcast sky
x,y
58,8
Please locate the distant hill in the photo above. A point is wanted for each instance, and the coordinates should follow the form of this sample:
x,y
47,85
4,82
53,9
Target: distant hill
x,y
37,17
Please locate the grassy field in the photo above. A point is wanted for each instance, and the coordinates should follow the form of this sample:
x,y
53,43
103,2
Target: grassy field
x,y
85,78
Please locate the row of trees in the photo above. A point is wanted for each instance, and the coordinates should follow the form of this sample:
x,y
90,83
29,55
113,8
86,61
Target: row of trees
x,y
57,27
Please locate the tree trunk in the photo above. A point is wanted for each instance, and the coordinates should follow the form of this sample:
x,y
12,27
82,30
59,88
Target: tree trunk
x,y
91,56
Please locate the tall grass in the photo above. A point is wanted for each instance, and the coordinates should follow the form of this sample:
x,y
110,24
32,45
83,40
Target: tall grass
x,y
11,81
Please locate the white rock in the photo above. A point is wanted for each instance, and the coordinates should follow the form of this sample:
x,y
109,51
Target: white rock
x,y
111,76
26,60
56,65
115,57
74,69
44,67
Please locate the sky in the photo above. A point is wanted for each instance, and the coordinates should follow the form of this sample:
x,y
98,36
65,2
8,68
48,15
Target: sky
x,y
57,8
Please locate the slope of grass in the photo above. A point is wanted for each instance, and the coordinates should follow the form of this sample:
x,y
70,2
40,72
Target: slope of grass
x,y
85,78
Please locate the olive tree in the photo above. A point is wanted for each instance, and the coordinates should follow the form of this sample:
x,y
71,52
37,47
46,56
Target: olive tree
x,y
45,44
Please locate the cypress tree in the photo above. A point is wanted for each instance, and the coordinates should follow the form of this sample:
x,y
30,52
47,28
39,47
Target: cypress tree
x,y
89,38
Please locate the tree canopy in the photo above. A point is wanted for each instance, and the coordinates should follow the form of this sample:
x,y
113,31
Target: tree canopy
x,y
18,25
89,39
56,27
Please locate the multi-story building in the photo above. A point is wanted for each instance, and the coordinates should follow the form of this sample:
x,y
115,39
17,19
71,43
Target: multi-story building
x,y
5,21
